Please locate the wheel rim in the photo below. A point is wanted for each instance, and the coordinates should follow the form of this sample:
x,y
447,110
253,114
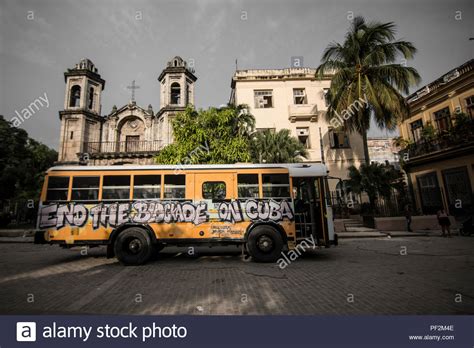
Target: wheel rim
x,y
134,246
265,243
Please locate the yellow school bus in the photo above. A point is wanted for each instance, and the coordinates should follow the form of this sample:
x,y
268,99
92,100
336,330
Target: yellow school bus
x,y
138,210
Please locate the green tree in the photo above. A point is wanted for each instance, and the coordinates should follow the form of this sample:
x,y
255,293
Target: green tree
x,y
377,180
215,135
276,147
365,75
23,162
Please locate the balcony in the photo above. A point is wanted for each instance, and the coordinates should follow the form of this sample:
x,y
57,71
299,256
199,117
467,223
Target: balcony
x,y
448,144
122,148
303,112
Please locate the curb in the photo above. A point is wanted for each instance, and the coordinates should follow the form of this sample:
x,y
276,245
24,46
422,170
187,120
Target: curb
x,y
4,240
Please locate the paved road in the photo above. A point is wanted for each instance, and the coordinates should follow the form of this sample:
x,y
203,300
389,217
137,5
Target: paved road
x,y
415,275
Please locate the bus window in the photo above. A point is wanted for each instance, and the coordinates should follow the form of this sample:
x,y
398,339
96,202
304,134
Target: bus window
x,y
85,188
58,187
146,186
175,187
116,187
215,190
247,185
276,186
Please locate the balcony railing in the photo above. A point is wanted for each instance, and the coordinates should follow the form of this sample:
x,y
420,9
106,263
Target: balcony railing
x,y
141,146
444,141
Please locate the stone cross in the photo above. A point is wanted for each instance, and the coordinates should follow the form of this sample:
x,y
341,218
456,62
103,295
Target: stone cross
x,y
133,87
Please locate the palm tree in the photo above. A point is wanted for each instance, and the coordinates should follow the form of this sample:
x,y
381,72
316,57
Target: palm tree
x,y
276,147
377,180
364,69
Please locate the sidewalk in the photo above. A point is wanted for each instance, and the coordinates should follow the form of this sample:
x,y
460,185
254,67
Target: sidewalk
x,y
372,233
17,235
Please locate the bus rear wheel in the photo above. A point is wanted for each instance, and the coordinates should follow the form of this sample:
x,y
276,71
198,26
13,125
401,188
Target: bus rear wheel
x,y
265,244
133,247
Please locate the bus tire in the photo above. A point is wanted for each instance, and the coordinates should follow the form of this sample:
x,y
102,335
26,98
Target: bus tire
x,y
265,244
133,247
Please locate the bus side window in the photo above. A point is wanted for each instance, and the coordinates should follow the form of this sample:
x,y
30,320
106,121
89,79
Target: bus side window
x,y
58,187
116,188
215,190
146,186
175,187
247,185
276,185
85,188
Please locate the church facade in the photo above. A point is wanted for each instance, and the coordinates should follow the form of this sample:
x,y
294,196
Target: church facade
x,y
127,135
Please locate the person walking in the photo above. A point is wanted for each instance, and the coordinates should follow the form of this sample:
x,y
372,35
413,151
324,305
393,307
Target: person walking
x,y
408,217
443,220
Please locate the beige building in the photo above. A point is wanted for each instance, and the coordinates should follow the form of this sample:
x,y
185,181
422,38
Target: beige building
x,y
382,150
440,155
295,99
129,134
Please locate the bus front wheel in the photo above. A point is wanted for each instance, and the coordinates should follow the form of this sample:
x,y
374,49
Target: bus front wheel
x,y
265,244
133,247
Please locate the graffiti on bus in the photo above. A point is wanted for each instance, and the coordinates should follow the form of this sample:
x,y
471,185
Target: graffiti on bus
x,y
58,215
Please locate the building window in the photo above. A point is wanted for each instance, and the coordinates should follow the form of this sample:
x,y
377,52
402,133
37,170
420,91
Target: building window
x,y
146,186
276,186
430,193
85,188
247,185
263,99
338,139
271,130
175,187
91,98
215,190
470,106
116,188
58,187
303,136
458,189
75,97
299,96
443,119
188,95
326,96
175,93
416,129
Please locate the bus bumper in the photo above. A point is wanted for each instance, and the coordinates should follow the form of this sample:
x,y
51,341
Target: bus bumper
x,y
40,237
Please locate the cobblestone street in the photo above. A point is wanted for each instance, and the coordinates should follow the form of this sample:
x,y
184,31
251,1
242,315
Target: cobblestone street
x,y
415,275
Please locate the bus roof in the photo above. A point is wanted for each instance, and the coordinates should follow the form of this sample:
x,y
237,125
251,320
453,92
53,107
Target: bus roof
x,y
295,169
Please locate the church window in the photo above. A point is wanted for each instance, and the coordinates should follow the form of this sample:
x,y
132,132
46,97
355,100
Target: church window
x,y
91,98
175,93
75,96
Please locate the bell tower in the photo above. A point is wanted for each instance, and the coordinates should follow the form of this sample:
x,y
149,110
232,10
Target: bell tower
x,y
80,118
176,92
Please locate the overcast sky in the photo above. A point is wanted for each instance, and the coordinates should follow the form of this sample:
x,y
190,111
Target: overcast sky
x,y
261,34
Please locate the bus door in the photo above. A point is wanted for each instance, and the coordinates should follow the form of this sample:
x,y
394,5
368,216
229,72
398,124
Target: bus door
x,y
215,189
309,209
